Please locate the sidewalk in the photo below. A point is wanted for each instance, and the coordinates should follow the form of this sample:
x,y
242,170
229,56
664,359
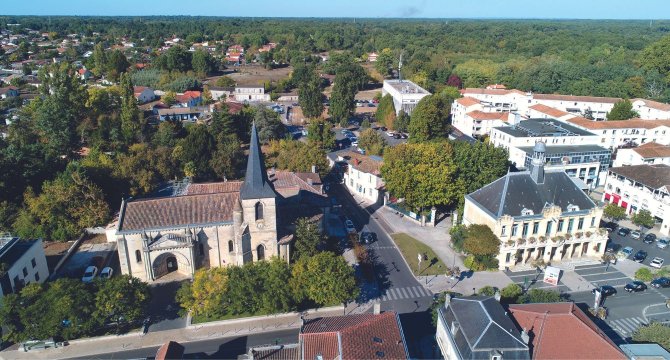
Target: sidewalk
x,y
476,281
212,330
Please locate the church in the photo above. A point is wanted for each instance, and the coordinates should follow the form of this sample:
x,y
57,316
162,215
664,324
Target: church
x,y
217,224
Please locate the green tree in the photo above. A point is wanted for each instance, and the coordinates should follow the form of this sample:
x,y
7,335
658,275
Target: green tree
x,y
401,123
510,293
121,297
268,125
66,206
349,78
539,296
205,295
169,98
228,159
479,163
307,238
654,333
644,274
202,63
310,96
297,156
487,291
325,279
614,212
99,60
385,62
225,81
481,241
132,119
656,57
319,132
622,110
430,119
385,114
425,175
144,167
117,63
643,218
372,141
197,147
276,296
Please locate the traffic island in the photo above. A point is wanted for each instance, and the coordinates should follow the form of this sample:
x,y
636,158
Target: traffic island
x,y
419,257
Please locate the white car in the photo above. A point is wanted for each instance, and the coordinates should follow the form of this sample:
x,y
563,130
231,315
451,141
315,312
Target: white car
x,y
106,273
662,244
89,274
635,234
656,262
390,133
350,226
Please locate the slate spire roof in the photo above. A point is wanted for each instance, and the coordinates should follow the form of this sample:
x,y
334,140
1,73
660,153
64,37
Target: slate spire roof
x,y
256,184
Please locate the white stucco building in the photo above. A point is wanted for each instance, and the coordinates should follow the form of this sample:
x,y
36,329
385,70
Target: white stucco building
x,y
363,175
251,94
406,94
475,119
26,263
641,187
614,134
649,153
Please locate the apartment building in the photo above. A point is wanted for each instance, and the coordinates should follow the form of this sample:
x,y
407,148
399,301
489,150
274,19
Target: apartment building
x,y
406,94
648,153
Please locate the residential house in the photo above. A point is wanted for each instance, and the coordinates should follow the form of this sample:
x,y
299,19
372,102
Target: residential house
x,y
372,57
641,187
473,118
189,98
25,261
235,54
648,153
9,91
181,113
363,175
478,328
144,94
406,94
251,94
538,214
84,74
288,97
615,134
219,92
563,331
499,99
649,109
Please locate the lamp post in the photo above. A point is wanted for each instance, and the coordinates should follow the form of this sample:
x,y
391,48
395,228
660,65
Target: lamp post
x,y
420,258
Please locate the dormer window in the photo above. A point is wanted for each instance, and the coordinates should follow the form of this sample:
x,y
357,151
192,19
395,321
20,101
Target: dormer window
x,y
572,208
527,212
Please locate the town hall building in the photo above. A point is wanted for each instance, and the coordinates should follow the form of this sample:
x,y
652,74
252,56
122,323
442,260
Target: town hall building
x,y
214,224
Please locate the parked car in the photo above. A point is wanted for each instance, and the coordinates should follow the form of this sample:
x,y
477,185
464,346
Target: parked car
x,y
649,238
367,237
354,143
350,226
635,234
662,244
403,135
625,252
640,256
397,136
610,226
662,282
89,274
623,231
390,133
605,290
657,262
635,286
383,128
106,273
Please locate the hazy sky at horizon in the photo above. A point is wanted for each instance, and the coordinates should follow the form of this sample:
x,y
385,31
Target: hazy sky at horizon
x,y
551,9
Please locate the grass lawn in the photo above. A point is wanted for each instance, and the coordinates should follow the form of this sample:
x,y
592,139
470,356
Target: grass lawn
x,y
410,247
202,319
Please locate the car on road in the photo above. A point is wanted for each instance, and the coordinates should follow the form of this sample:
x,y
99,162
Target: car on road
x,y
623,231
350,226
106,273
605,290
610,226
635,286
656,262
635,234
354,142
640,256
649,238
397,136
662,282
625,252
367,237
390,133
662,244
345,131
89,274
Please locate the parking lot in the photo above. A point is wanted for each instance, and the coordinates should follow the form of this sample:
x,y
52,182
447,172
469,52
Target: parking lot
x,y
599,275
532,279
619,242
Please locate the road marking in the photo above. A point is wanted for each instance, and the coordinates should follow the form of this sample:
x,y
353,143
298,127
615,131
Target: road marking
x,y
393,295
402,290
412,292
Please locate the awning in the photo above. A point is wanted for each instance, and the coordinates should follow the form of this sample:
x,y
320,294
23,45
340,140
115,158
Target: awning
x,y
607,196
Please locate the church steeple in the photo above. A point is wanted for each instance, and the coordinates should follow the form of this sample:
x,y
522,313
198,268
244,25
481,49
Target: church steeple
x,y
256,184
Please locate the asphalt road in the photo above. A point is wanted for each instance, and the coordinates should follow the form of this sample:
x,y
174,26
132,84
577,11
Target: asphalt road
x,y
220,348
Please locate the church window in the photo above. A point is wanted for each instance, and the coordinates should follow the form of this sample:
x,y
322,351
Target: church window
x,y
259,211
138,256
260,251
230,246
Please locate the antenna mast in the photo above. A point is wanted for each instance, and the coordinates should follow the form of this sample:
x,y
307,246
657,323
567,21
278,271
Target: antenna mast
x,y
400,68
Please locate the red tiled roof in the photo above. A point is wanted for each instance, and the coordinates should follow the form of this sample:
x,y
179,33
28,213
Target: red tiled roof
x,y
553,112
558,97
363,163
326,344
653,104
170,350
286,180
618,124
362,336
482,115
213,188
468,101
497,86
653,150
563,331
491,91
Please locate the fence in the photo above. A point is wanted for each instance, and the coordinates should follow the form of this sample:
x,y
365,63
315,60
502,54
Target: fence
x,y
410,214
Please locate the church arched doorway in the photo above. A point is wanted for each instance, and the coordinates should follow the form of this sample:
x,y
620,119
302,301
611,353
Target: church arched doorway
x,y
164,264
260,252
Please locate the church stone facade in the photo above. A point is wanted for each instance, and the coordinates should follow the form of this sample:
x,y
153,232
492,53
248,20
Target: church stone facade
x,y
212,224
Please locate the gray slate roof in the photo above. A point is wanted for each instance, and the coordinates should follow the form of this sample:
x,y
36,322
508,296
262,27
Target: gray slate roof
x,y
515,191
483,329
543,127
256,184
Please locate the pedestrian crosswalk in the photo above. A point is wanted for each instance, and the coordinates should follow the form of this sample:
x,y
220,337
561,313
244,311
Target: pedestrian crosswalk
x,y
627,326
412,292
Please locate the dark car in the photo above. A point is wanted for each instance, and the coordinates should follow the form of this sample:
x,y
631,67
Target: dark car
x,y
640,256
649,239
367,237
605,290
397,136
610,226
623,231
662,282
635,286
383,128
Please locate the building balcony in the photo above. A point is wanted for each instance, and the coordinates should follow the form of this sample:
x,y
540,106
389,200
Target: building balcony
x,y
554,241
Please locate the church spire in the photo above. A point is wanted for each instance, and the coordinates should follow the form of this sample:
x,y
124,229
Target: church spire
x,y
256,184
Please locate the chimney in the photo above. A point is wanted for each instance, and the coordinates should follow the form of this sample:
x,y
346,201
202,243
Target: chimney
x,y
310,181
497,295
377,308
313,169
447,300
525,337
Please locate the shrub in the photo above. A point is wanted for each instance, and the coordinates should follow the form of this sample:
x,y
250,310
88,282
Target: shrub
x,y
539,296
644,274
510,293
487,291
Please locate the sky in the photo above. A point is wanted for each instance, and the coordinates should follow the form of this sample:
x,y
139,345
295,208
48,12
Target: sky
x,y
516,9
